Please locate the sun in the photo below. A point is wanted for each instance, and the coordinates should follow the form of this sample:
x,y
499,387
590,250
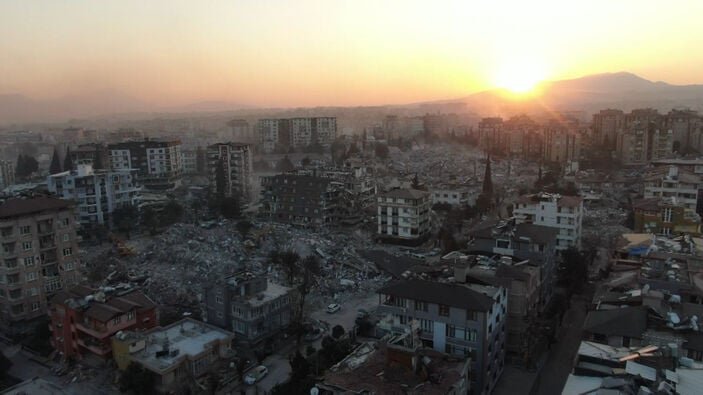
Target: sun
x,y
519,77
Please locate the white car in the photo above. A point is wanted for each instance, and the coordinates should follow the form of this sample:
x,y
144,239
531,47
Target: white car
x,y
333,308
256,374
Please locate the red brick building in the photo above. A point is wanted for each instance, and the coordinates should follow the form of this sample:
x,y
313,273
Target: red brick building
x,y
82,320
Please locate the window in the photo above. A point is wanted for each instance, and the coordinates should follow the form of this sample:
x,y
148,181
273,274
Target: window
x,y
36,306
25,230
117,320
33,291
27,245
130,315
419,305
219,299
31,276
67,251
66,237
471,315
666,214
68,266
29,261
444,310
427,325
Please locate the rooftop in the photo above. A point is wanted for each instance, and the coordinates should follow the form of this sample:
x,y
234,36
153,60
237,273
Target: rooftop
x,y
185,338
20,207
562,201
405,194
102,305
455,295
273,291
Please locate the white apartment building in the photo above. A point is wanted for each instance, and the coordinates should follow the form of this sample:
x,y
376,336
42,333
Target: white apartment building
x,y
404,214
96,193
158,162
673,182
553,210
237,161
454,195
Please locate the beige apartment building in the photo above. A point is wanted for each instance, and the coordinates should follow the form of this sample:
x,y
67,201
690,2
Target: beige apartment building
x,y
39,257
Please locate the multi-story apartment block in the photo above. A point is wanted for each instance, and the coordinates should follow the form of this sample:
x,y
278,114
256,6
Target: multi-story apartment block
x,y
236,161
641,143
668,182
250,306
561,145
82,320
564,213
455,195
461,319
97,193
7,173
158,162
532,244
39,257
283,134
96,155
241,131
404,215
189,158
176,354
665,216
301,199
607,124
491,135
683,124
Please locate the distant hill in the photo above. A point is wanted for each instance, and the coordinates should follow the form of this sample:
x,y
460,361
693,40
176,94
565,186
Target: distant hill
x,y
590,93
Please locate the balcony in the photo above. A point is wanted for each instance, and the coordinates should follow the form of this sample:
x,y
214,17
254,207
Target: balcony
x,y
95,347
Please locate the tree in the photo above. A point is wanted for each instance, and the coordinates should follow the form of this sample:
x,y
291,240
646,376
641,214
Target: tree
x,y
243,227
306,161
308,273
288,262
229,207
67,161
125,218
300,367
26,165
381,150
285,165
573,270
200,161
338,331
172,213
137,380
416,182
150,219
55,166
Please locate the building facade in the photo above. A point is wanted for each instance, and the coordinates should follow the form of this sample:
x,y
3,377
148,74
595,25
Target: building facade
x,y
250,306
82,320
296,133
7,174
607,124
564,213
466,320
301,199
670,181
404,215
96,193
665,216
39,258
236,159
158,162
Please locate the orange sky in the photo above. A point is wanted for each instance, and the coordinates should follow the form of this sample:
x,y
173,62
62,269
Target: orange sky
x,y
321,52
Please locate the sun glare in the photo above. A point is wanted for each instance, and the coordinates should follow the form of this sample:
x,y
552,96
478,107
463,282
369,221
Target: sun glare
x,y
519,77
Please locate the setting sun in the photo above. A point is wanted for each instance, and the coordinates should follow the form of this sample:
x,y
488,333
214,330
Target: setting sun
x,y
520,76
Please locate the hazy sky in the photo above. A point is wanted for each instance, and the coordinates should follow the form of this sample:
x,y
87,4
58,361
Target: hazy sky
x,y
335,52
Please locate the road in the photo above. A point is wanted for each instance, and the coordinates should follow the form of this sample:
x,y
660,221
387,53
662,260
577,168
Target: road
x,y
278,365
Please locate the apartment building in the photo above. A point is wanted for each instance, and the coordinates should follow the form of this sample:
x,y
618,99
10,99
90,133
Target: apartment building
x,y
404,216
96,155
670,181
642,143
39,257
301,199
561,145
236,160
685,126
491,134
466,320
296,133
665,216
97,193
607,124
249,305
176,354
82,320
158,162
7,173
455,195
189,159
241,130
564,213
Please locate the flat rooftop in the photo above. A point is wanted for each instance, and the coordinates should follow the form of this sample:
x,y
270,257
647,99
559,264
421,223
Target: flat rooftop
x,y
187,337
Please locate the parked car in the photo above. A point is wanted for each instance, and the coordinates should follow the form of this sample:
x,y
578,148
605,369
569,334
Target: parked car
x,y
333,308
256,374
362,313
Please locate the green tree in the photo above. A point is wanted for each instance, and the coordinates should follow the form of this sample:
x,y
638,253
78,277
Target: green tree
x,y
229,207
243,227
300,367
125,218
172,213
55,166
338,331
67,160
137,380
573,270
287,261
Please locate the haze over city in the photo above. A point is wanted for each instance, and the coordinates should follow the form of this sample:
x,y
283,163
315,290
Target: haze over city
x,y
320,53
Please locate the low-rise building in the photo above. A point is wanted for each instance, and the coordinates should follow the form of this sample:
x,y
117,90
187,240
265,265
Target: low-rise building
x,y
455,195
39,257
82,320
671,181
249,305
404,216
175,354
466,320
665,216
564,213
97,193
